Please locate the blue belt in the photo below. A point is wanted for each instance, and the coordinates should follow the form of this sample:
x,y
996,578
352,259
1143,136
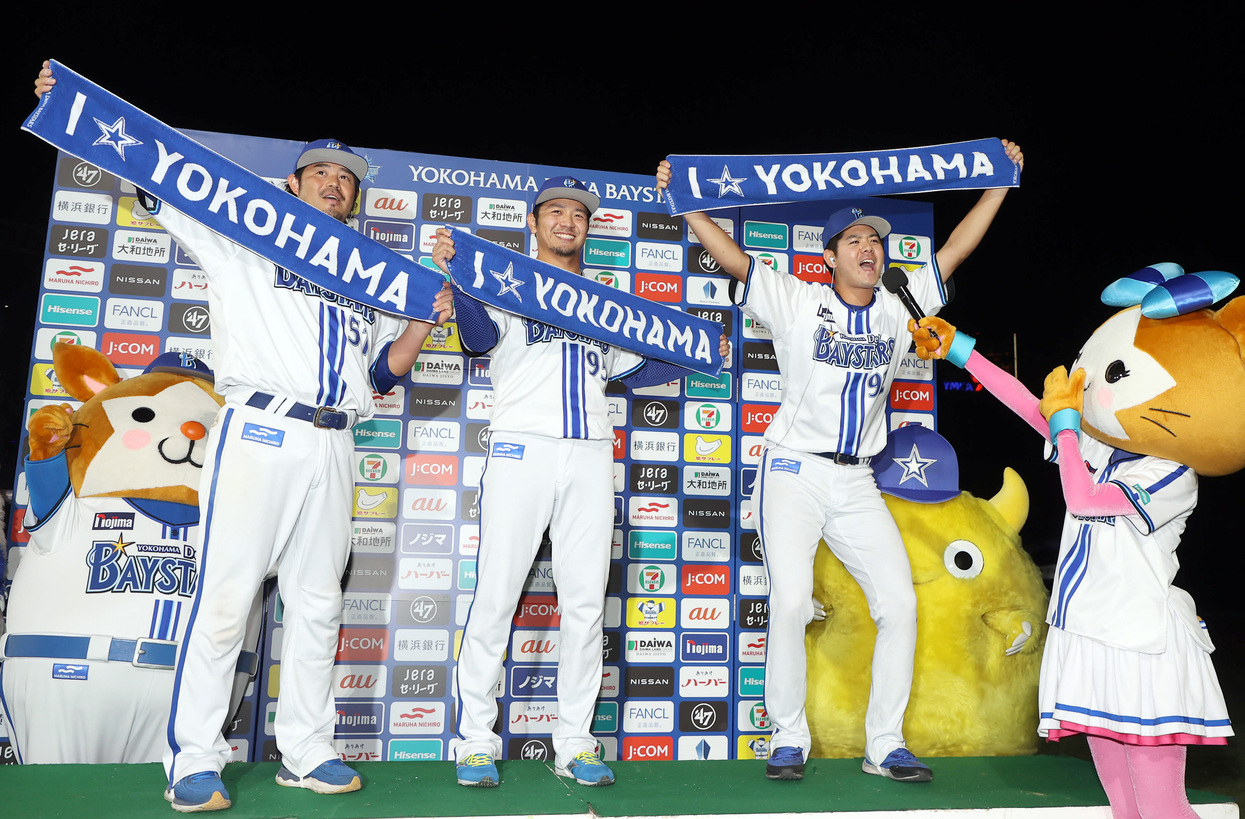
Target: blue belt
x,y
840,458
323,417
143,653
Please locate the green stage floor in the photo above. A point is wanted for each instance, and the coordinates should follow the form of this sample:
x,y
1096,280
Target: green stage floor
x,y
1038,786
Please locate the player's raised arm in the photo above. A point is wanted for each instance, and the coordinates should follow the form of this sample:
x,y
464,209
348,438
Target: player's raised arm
x,y
969,232
720,246
405,348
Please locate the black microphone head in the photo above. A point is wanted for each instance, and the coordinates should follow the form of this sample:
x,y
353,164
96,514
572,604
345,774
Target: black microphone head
x,y
894,278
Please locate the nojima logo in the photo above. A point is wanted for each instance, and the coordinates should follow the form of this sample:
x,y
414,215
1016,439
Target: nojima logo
x,y
363,644
704,647
647,748
359,718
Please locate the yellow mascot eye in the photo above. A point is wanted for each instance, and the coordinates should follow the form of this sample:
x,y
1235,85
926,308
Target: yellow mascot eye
x,y
963,559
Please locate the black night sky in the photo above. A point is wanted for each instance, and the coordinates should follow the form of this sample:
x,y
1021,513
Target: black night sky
x,y
1131,130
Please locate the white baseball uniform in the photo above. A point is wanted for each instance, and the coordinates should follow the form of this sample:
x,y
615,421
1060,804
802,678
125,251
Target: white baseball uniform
x,y
549,463
1126,655
838,362
276,491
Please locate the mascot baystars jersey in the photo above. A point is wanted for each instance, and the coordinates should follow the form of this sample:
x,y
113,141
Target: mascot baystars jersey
x,y
133,571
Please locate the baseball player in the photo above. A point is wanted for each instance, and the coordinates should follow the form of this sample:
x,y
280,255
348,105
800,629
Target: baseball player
x,y
297,367
838,349
549,463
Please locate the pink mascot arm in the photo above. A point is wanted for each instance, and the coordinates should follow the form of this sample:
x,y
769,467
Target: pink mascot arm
x,y
1083,497
1003,386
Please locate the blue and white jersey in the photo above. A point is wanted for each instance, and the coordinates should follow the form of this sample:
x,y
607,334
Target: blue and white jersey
x,y
837,360
1113,579
106,566
275,332
549,382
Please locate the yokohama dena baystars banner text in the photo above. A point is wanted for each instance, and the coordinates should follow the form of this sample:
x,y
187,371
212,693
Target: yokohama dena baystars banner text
x,y
685,616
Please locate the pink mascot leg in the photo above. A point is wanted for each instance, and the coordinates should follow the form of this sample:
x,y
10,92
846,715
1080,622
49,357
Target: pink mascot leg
x,y
1111,762
1158,781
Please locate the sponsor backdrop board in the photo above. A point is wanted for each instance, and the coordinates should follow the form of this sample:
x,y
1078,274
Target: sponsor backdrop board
x,y
685,615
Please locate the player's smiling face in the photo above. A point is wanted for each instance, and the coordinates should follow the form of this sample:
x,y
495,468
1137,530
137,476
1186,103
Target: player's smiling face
x,y
326,186
858,260
560,227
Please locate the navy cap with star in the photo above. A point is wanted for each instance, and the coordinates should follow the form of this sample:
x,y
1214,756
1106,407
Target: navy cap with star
x,y
917,464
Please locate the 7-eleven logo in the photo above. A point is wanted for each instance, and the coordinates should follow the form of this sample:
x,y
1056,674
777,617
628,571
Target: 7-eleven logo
x,y
909,247
652,578
605,277
708,416
372,467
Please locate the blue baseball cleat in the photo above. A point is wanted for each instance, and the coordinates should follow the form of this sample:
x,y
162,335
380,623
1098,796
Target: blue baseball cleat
x,y
785,763
198,791
901,766
587,769
333,776
478,771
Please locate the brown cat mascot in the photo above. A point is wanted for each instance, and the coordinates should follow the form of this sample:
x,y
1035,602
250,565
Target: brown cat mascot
x,y
102,594
1127,660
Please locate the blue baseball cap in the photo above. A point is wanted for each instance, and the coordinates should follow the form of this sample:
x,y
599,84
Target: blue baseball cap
x,y
917,464
180,364
567,187
330,150
842,219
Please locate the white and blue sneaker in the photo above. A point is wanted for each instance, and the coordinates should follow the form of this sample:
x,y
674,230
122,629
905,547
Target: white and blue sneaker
x,y
785,763
198,791
587,769
478,771
901,766
333,776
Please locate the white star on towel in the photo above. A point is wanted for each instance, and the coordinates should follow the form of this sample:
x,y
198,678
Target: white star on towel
x,y
728,184
509,284
115,136
914,466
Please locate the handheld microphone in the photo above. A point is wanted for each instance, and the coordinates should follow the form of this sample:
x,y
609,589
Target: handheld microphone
x,y
895,280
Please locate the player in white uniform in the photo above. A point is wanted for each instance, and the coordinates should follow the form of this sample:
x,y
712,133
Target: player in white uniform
x,y
838,349
549,464
297,367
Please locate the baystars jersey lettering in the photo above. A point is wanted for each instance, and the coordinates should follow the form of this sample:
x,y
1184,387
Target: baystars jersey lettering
x,y
531,357
838,360
106,567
